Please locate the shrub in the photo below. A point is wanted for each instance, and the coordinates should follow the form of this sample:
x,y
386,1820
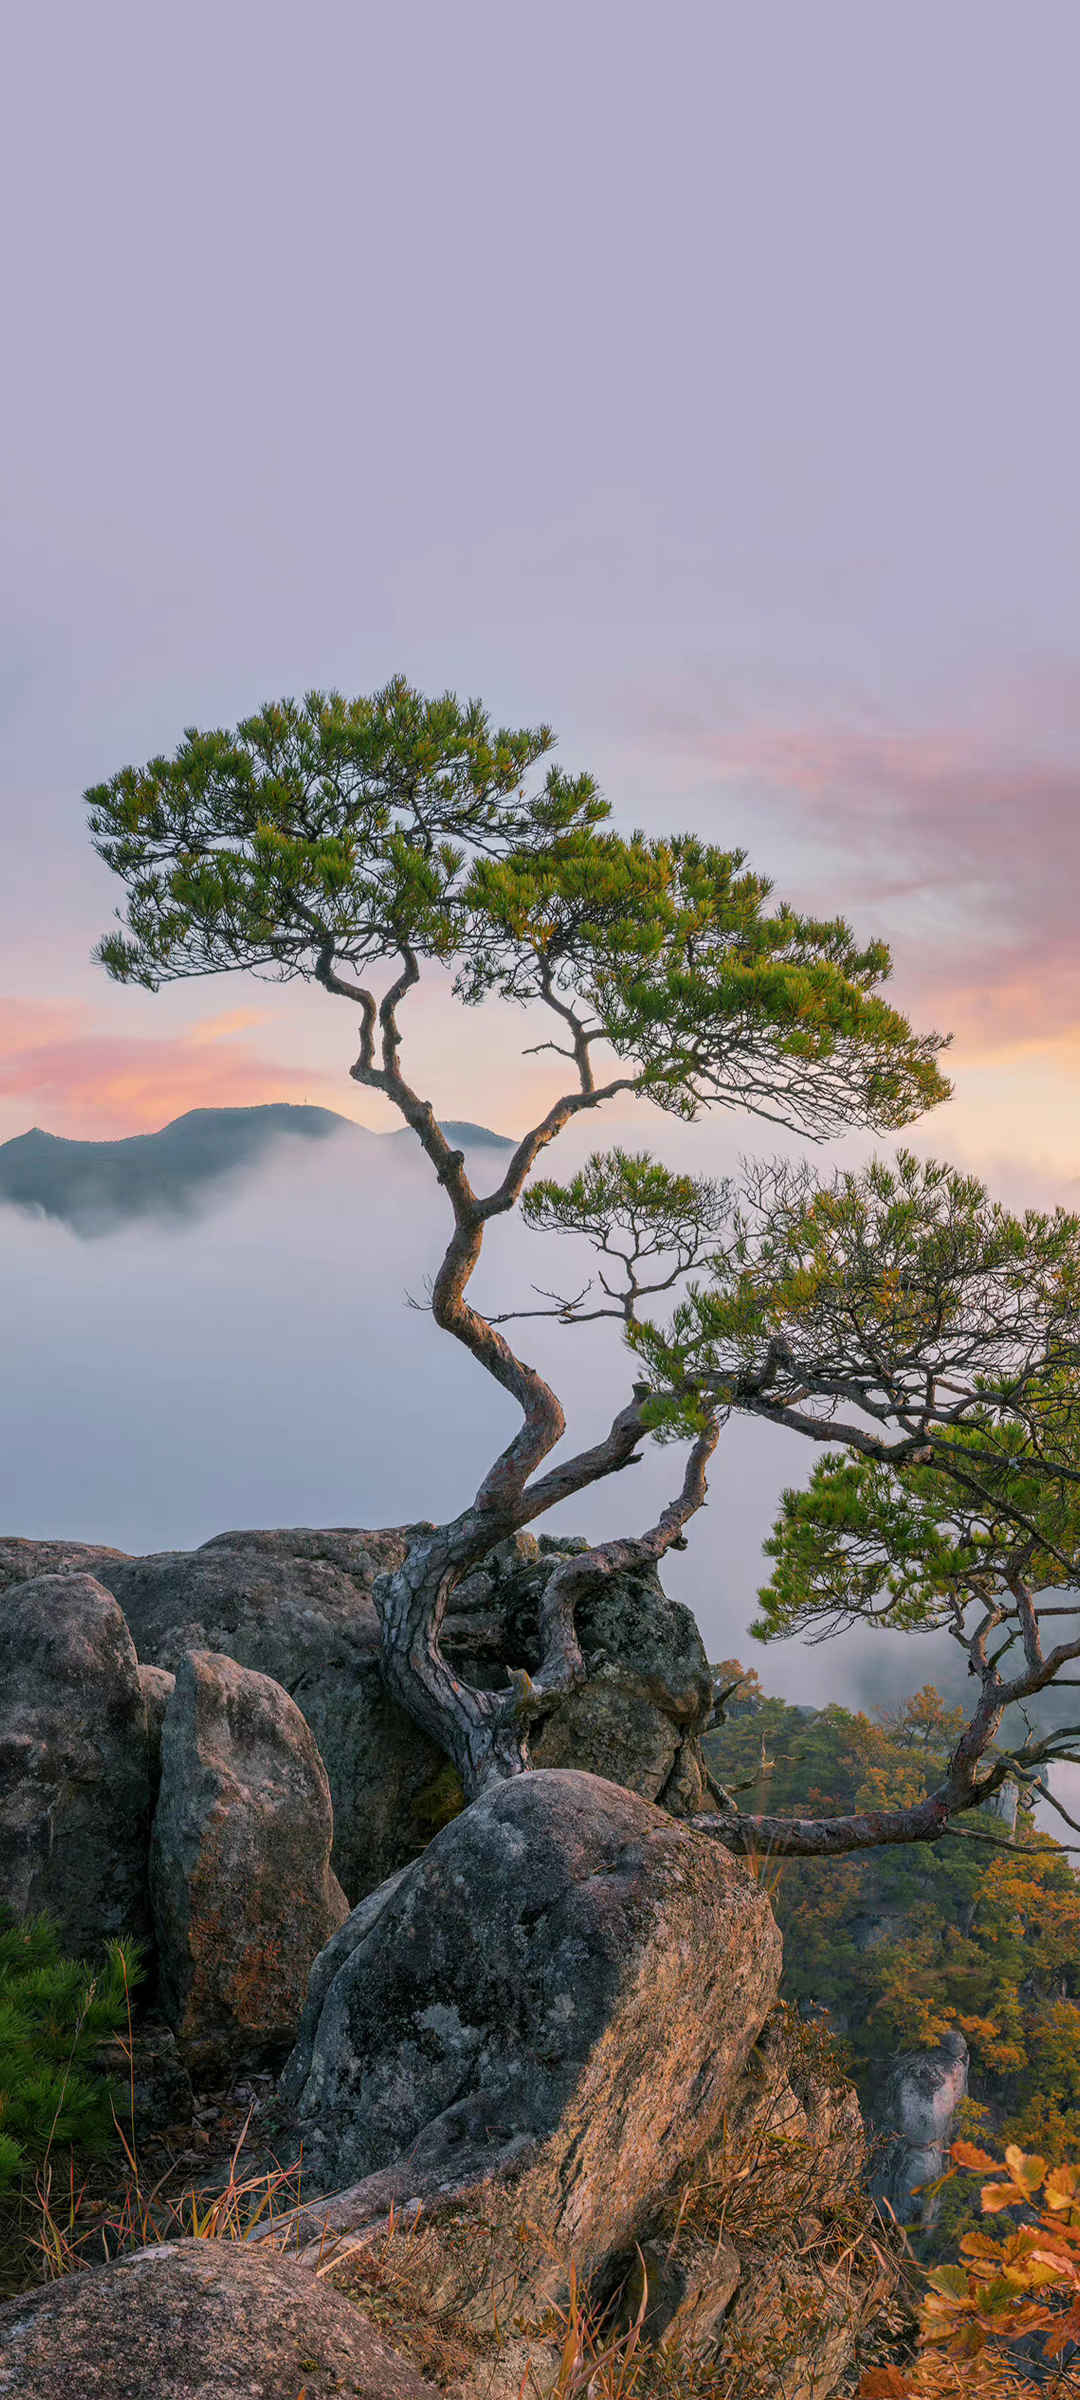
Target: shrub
x,y
1006,2314
55,2013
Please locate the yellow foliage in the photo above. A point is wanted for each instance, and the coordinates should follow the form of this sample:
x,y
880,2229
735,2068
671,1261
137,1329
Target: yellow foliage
x,y
898,1785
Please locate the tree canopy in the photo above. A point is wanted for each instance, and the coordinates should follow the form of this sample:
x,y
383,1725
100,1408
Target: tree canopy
x,y
331,836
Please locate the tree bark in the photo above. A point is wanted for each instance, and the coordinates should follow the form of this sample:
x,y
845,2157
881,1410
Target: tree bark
x,y
486,1734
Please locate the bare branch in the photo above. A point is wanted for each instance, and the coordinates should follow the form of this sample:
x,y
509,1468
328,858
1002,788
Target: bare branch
x,y
1053,1802
565,1310
1000,1841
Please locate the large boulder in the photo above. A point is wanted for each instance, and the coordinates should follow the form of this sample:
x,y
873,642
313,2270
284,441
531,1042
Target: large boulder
x,y
760,2265
551,2007
74,1772
197,2320
297,1605
21,1560
243,1894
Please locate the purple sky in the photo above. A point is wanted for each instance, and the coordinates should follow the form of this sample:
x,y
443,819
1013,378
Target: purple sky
x,y
701,379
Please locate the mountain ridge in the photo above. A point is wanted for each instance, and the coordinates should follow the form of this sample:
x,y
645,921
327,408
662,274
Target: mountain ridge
x,y
92,1185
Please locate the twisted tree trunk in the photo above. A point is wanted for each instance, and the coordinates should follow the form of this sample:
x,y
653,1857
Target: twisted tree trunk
x,y
484,1733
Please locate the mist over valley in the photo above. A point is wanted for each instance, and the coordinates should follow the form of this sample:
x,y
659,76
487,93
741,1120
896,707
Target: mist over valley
x,y
212,1329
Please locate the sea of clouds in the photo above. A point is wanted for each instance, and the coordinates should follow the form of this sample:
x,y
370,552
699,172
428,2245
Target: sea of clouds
x,y
258,1364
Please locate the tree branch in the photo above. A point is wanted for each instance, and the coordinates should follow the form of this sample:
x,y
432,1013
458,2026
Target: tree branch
x,y
963,1787
562,1666
1000,1841
531,1144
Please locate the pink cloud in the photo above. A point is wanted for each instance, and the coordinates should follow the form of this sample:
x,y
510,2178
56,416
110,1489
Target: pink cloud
x,y
85,1081
962,843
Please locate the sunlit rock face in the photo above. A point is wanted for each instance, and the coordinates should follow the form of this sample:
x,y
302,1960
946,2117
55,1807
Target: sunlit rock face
x,y
923,2093
296,1606
243,1895
558,1997
546,2037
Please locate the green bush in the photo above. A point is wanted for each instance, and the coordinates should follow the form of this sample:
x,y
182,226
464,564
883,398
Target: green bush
x,y
55,2014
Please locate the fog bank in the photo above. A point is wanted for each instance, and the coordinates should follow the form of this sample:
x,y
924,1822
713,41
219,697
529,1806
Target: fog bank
x,y
260,1366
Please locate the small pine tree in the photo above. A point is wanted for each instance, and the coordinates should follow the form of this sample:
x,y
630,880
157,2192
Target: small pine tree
x,y
55,2014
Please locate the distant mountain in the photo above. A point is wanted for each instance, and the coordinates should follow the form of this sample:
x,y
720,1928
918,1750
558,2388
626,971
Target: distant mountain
x,y
90,1186
458,1129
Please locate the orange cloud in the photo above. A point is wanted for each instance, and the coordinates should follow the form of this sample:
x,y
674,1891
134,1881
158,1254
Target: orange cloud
x,y
231,1020
89,1082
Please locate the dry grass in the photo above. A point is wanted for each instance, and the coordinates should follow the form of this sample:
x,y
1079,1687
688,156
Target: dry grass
x,y
72,2226
811,2268
390,2278
570,2352
794,2211
72,2217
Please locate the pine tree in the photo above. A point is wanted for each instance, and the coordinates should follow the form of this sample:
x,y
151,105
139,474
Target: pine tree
x,y
55,2014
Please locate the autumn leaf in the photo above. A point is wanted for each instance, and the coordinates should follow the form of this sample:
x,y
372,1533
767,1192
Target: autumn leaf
x,y
980,2245
955,2282
1066,2329
1026,2171
1061,2187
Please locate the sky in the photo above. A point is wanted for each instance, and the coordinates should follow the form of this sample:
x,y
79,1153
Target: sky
x,y
702,381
